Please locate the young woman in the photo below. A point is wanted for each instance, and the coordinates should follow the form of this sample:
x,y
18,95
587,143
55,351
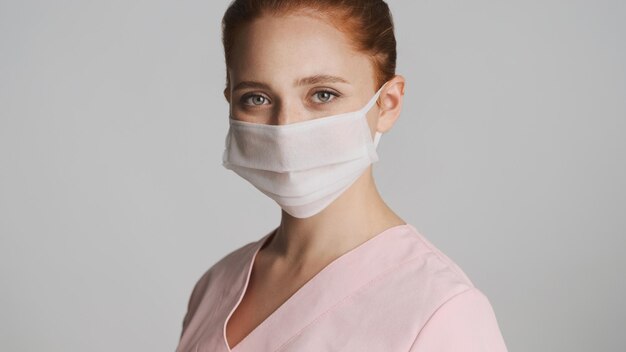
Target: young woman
x,y
312,87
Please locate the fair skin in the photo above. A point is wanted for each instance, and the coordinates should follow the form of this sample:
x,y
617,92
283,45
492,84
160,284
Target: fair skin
x,y
278,51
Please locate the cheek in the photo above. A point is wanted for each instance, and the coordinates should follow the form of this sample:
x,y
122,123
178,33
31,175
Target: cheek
x,y
254,115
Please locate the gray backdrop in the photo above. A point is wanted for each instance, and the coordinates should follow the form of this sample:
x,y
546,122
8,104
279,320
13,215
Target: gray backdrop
x,y
508,156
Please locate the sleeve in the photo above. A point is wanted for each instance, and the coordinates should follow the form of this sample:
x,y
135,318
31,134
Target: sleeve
x,y
464,323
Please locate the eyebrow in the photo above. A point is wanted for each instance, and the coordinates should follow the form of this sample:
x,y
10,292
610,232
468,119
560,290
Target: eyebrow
x,y
250,84
315,79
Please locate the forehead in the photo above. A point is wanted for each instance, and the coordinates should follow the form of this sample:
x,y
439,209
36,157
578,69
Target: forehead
x,y
284,47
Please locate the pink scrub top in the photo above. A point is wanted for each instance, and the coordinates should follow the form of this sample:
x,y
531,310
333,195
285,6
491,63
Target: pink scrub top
x,y
393,292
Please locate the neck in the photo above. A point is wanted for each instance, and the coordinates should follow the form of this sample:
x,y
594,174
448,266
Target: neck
x,y
357,215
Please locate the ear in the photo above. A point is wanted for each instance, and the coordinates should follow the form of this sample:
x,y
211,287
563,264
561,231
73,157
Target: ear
x,y
227,94
390,103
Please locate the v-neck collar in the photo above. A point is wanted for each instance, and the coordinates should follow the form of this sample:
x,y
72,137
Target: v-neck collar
x,y
336,281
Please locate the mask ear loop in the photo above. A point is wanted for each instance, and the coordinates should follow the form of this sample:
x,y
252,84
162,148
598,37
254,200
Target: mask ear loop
x,y
367,108
374,99
377,138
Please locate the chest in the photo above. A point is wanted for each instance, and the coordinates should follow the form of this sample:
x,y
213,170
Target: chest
x,y
352,307
264,295
364,321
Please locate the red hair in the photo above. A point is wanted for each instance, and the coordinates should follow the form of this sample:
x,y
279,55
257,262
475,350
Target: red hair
x,y
367,23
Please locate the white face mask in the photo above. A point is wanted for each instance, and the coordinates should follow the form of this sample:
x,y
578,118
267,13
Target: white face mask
x,y
303,166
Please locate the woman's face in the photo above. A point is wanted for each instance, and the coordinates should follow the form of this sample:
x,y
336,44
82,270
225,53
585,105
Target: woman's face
x,y
294,68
